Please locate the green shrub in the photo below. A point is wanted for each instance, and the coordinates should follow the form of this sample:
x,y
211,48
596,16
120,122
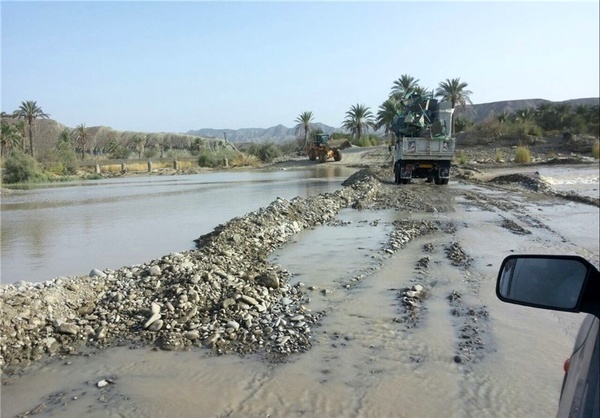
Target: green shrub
x,y
461,124
92,176
266,151
150,152
374,140
596,150
207,159
366,141
61,160
67,158
21,168
522,155
290,147
56,168
462,158
523,130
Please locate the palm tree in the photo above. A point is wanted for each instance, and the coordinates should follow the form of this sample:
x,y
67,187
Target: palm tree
x,y
358,120
30,111
10,138
405,85
454,92
64,136
421,91
386,113
524,115
81,136
503,117
22,128
304,124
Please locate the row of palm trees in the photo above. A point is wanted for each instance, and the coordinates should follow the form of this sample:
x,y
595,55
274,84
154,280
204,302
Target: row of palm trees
x,y
360,119
12,135
557,116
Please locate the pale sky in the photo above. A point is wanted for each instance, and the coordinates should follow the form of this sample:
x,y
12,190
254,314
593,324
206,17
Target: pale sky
x,y
176,66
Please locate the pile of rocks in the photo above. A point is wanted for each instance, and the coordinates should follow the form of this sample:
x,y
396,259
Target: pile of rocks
x,y
225,295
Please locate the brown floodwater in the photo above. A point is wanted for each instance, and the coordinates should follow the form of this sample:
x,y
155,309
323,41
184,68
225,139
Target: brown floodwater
x,y
68,229
365,361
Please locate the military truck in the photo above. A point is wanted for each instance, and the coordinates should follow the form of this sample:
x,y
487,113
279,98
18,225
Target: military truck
x,y
423,145
323,148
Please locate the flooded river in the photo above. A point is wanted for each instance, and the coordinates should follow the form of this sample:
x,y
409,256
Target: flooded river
x,y
69,229
366,360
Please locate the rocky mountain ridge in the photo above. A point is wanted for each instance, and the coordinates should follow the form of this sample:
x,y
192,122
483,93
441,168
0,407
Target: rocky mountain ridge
x,y
279,133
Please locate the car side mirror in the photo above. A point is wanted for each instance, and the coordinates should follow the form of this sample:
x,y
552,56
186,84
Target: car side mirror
x,y
558,282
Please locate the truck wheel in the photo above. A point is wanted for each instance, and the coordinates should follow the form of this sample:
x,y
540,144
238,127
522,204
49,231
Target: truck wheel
x,y
436,178
323,156
444,181
312,155
405,181
337,155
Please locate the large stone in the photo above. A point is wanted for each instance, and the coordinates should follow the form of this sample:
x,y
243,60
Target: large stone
x,y
97,273
68,328
154,271
268,279
156,325
192,335
249,300
155,317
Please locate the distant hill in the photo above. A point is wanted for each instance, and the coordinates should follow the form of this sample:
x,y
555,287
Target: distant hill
x,y
277,133
477,113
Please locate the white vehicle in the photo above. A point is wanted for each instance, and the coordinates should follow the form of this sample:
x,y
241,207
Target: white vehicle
x,y
424,146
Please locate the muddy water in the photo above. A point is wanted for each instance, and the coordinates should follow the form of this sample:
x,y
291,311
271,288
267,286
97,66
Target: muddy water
x,y
69,229
367,361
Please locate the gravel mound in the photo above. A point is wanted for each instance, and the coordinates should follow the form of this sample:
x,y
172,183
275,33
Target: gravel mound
x,y
531,182
225,295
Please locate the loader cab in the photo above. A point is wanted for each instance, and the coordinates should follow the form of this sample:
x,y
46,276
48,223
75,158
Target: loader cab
x,y
321,140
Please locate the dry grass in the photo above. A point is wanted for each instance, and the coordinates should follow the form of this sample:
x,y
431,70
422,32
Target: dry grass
x,y
522,155
143,167
113,168
499,156
245,160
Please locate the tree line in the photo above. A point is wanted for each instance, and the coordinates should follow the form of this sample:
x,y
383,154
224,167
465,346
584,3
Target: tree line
x,y
360,123
360,120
